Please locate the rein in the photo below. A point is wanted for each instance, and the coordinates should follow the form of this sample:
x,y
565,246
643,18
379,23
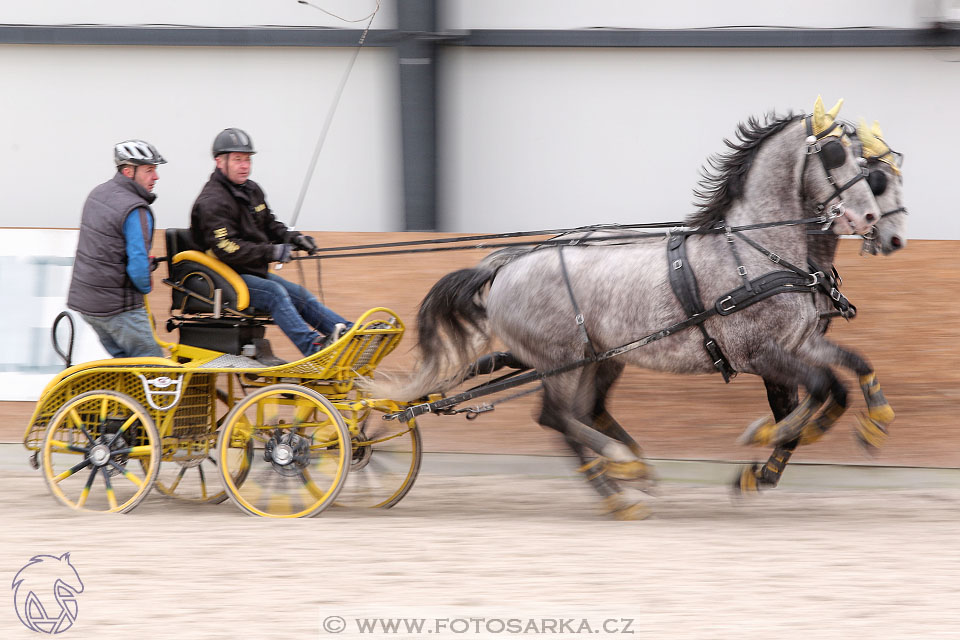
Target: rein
x,y
675,229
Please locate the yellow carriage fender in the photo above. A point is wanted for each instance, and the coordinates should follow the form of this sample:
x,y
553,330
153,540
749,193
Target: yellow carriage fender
x,y
221,269
131,363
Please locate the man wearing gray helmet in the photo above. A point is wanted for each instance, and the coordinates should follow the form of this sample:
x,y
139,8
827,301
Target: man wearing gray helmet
x,y
231,219
111,272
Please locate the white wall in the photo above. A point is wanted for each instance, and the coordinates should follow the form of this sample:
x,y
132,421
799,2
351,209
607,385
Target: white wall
x,y
528,137
217,13
537,138
65,106
680,14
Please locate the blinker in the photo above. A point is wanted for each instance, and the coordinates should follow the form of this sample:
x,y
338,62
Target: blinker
x,y
833,154
877,181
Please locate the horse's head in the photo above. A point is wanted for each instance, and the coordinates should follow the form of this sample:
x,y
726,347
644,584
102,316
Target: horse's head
x,y
833,180
885,178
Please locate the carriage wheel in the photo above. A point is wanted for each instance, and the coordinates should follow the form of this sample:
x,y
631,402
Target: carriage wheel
x,y
197,478
300,452
89,448
384,464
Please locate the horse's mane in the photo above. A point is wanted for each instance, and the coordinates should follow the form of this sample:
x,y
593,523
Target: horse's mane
x,y
724,175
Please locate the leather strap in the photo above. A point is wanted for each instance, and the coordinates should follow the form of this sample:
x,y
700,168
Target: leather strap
x,y
684,285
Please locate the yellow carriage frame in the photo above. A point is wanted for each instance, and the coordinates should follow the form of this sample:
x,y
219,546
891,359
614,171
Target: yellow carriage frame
x,y
97,420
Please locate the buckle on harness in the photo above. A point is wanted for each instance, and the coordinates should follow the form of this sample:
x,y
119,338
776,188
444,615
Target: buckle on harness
x,y
722,304
774,258
835,294
678,264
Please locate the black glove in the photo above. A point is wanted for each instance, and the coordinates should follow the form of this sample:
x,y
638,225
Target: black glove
x,y
305,243
281,253
154,263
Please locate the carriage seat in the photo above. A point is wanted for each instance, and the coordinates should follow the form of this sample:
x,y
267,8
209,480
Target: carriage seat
x,y
203,284
210,302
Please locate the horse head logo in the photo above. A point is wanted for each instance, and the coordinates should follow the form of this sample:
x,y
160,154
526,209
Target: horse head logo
x,y
45,594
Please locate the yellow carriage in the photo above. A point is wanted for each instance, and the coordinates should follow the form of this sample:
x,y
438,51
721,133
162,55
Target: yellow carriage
x,y
206,423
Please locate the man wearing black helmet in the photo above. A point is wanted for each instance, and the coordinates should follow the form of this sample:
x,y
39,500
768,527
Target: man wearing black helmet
x,y
231,218
111,273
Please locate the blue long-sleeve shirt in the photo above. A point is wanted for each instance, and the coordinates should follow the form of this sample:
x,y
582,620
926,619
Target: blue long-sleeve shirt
x,y
138,262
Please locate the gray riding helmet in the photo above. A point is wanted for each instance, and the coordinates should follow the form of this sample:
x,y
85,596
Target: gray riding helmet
x,y
232,141
136,152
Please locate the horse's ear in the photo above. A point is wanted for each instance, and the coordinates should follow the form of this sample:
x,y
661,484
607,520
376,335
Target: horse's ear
x,y
835,110
873,146
822,119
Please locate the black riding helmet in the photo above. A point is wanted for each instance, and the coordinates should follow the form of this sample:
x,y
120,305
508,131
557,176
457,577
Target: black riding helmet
x,y
232,141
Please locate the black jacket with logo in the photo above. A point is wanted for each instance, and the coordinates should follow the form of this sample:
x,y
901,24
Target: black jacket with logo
x,y
235,223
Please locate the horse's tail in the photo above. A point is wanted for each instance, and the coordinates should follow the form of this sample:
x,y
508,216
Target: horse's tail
x,y
453,331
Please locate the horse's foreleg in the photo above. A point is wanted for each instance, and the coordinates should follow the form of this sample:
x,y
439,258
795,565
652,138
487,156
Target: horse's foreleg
x,y
872,426
780,367
783,399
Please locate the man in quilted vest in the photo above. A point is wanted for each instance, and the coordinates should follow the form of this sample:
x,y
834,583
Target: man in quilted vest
x,y
111,272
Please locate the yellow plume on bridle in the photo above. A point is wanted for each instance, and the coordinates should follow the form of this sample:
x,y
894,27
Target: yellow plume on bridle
x,y
824,120
874,147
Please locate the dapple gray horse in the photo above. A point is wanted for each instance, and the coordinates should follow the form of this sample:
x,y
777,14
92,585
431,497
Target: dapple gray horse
x,y
887,235
777,175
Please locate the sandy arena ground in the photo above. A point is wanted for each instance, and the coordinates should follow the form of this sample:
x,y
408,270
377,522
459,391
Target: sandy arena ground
x,y
874,563
787,564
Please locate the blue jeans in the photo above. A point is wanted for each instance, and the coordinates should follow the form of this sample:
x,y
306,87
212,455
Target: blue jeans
x,y
293,308
126,335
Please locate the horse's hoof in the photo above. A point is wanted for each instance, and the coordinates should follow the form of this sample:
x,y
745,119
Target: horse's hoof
x,y
630,471
759,433
626,506
870,434
633,512
882,414
811,433
747,481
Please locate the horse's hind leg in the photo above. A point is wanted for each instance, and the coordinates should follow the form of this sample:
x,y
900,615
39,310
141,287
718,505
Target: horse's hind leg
x,y
621,503
607,374
872,428
564,398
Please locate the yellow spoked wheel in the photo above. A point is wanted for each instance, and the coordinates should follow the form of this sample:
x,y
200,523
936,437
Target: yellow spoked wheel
x,y
191,473
101,452
196,477
300,452
385,461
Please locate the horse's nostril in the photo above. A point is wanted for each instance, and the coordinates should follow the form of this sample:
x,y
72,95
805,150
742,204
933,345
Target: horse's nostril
x,y
896,242
870,217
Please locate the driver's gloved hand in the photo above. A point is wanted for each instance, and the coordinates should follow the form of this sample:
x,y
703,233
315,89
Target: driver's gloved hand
x,y
281,252
306,243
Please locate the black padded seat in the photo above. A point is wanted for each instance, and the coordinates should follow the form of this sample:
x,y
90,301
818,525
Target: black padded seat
x,y
195,276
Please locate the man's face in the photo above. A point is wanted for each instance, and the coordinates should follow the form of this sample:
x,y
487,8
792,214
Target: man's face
x,y
236,166
145,175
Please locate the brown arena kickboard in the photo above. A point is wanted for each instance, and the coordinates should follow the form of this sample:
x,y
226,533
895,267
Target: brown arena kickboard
x,y
908,325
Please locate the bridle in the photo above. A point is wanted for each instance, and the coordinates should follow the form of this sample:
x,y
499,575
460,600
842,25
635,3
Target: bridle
x,y
878,185
832,156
